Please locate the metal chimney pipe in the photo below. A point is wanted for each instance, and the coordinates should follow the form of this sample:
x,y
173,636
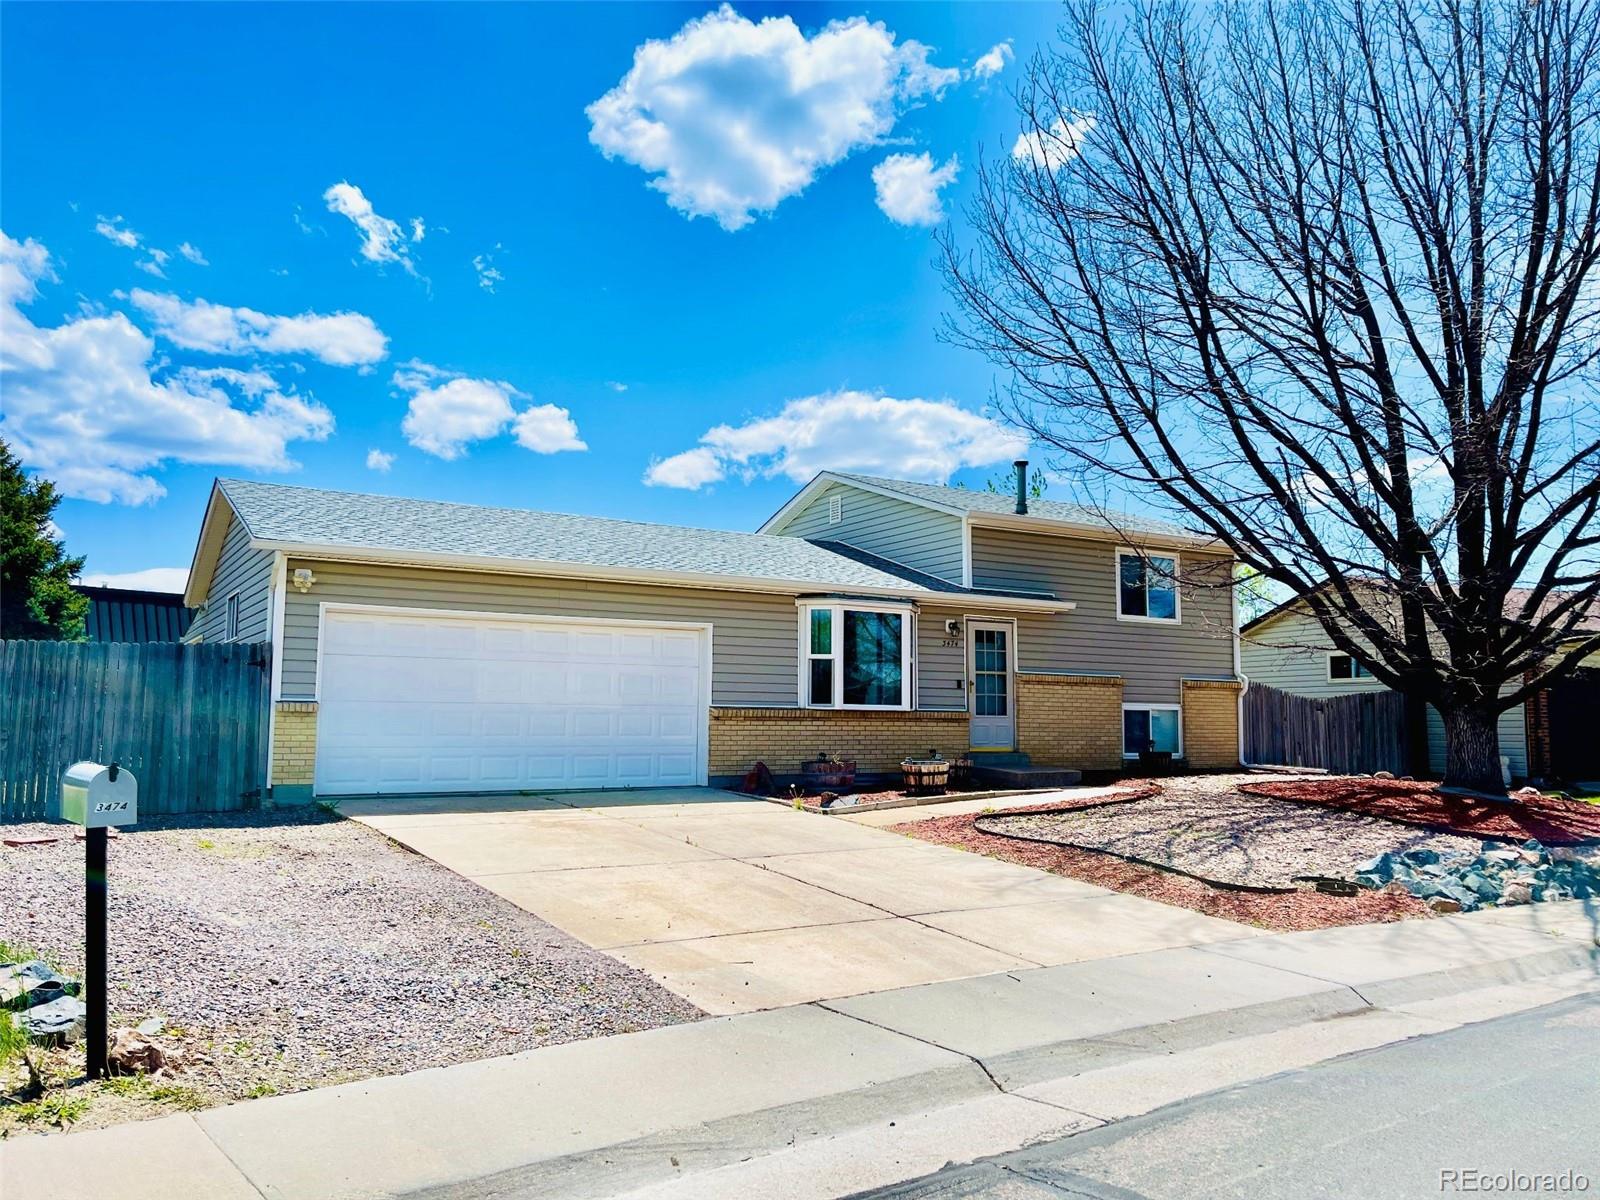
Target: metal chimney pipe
x,y
1022,486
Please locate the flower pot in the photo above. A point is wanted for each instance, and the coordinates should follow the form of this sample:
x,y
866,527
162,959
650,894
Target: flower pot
x,y
925,776
831,773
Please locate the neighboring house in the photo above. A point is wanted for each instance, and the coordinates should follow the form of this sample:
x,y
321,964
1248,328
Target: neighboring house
x,y
1286,648
132,615
423,646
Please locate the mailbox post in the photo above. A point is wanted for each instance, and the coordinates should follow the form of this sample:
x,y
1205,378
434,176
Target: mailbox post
x,y
97,797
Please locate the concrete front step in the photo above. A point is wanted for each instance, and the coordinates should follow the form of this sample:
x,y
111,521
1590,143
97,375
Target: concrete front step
x,y
999,758
1026,776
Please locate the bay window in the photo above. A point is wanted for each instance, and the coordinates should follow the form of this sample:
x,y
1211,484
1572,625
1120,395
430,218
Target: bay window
x,y
1147,587
855,656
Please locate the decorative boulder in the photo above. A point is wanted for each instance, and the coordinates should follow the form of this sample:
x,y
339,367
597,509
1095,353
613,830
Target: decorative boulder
x,y
57,1022
1420,856
26,985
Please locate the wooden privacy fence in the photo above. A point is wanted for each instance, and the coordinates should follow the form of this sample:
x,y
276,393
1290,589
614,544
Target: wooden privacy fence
x,y
1346,734
189,721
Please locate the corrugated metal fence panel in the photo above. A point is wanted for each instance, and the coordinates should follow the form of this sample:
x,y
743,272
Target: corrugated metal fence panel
x,y
1345,734
190,721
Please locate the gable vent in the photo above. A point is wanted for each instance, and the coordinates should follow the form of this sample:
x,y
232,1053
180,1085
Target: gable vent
x,y
835,509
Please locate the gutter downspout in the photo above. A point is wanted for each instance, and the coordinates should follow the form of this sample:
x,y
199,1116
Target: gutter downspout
x,y
280,585
1238,670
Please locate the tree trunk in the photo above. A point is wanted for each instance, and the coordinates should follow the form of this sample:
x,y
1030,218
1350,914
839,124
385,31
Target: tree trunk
x,y
1472,748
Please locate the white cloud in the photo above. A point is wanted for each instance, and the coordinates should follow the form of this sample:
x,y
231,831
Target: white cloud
x,y
382,239
908,187
151,579
616,386
379,460
993,61
546,429
192,253
114,229
1051,149
418,229
488,273
448,411
846,431
692,469
340,339
732,116
88,405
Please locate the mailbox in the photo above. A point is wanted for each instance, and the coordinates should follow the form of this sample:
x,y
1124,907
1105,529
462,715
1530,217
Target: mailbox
x,y
97,796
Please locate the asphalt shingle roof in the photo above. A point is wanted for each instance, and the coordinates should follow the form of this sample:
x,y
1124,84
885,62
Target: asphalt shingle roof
x,y
1005,503
313,516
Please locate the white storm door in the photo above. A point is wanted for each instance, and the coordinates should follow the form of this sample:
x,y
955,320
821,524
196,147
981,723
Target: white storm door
x,y
991,694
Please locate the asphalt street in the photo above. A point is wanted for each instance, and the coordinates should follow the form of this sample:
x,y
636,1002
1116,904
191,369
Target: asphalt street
x,y
1509,1107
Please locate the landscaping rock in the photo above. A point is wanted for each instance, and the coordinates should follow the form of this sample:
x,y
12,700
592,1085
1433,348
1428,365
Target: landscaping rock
x,y
29,984
1517,892
55,1023
1420,857
132,1053
152,1027
1443,904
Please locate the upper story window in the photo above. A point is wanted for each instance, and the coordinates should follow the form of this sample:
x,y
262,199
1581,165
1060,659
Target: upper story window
x,y
1147,586
835,509
231,629
1342,667
854,656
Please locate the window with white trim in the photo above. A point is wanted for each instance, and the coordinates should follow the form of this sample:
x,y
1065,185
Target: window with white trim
x,y
855,656
1151,727
231,628
835,509
1147,586
1342,668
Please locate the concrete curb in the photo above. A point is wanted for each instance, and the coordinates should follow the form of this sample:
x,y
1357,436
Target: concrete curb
x,y
588,1119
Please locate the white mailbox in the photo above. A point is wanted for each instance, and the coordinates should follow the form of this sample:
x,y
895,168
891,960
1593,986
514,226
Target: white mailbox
x,y
96,796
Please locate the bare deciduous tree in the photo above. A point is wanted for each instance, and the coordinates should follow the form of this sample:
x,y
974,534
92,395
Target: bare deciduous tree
x,y
1322,279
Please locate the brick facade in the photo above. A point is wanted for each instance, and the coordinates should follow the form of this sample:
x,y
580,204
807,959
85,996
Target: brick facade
x,y
294,743
783,738
1211,723
1070,720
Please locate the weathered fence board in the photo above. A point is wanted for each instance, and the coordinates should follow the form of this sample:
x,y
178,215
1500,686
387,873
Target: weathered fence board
x,y
189,721
1345,734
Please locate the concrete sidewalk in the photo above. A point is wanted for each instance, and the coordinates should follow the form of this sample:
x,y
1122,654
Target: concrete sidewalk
x,y
976,1065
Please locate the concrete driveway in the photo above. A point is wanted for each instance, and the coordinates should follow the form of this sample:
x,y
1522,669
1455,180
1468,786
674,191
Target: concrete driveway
x,y
739,904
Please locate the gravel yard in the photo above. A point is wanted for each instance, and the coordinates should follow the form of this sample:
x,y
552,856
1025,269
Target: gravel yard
x,y
1301,908
294,948
1230,838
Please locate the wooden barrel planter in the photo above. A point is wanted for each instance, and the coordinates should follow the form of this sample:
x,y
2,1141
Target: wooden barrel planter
x,y
926,776
832,773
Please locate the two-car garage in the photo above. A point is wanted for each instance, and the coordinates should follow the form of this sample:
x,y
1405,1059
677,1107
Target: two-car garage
x,y
416,701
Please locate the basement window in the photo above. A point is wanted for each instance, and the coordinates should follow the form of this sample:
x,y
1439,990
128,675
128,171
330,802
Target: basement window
x,y
855,656
1151,727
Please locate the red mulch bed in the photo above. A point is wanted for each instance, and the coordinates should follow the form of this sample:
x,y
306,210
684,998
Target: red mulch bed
x,y
1554,821
1283,911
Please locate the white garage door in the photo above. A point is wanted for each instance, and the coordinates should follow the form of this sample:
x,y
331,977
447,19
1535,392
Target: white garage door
x,y
412,703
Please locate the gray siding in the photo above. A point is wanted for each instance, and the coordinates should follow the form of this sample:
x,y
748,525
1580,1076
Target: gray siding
x,y
1291,653
755,637
248,572
754,644
907,533
941,670
1152,659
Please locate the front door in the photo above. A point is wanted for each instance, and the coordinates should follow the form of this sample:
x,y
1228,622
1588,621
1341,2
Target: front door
x,y
990,694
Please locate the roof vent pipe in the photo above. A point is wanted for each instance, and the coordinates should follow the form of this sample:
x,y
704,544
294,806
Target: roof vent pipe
x,y
1022,487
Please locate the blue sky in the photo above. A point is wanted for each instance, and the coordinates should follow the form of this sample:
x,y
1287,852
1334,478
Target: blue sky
x,y
432,265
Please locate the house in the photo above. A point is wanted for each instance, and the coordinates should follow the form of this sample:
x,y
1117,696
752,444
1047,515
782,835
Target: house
x,y
134,615
421,646
1551,735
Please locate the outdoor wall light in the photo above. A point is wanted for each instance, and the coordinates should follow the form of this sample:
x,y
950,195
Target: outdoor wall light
x,y
303,579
